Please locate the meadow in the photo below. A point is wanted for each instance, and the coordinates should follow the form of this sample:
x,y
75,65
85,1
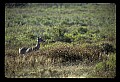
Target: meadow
x,y
80,40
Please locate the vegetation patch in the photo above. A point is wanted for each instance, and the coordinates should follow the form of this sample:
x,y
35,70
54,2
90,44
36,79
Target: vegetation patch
x,y
80,40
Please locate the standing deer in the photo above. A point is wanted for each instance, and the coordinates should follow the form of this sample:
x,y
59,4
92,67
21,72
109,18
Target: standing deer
x,y
25,50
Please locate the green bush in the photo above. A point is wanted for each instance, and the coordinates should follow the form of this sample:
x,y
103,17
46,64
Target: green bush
x,y
82,30
107,48
107,68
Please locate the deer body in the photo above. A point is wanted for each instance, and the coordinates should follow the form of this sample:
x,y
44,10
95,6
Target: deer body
x,y
36,47
22,50
25,50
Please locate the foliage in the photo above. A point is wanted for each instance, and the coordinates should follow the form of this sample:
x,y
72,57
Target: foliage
x,y
75,35
107,68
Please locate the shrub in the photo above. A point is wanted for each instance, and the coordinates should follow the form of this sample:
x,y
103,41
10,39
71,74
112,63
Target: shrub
x,y
107,68
107,47
58,33
82,30
68,37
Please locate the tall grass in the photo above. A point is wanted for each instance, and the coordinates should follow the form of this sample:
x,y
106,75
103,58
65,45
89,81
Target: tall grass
x,y
74,35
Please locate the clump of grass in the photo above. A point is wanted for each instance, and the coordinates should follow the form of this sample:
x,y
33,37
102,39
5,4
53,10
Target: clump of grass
x,y
106,68
11,52
62,52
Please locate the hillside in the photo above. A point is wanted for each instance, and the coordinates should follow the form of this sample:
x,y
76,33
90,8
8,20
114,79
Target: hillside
x,y
80,40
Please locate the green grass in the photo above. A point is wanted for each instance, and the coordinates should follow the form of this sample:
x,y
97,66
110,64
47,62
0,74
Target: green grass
x,y
74,35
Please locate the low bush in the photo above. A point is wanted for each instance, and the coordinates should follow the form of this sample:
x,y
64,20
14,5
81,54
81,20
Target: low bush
x,y
107,48
106,68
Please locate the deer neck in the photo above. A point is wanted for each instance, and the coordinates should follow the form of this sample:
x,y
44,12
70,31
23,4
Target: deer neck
x,y
38,45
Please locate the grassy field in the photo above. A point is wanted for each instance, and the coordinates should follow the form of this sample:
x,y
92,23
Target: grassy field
x,y
80,40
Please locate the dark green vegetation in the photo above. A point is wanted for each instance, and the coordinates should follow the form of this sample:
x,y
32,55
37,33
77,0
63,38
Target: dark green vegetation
x,y
80,40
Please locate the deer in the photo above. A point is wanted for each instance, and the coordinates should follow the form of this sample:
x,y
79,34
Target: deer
x,y
25,50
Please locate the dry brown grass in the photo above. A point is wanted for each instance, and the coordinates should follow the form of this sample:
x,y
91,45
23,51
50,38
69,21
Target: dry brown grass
x,y
43,63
